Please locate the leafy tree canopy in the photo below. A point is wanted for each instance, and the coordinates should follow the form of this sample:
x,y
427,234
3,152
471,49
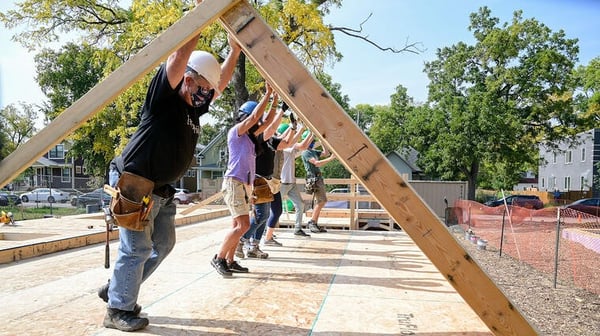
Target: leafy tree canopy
x,y
491,103
16,126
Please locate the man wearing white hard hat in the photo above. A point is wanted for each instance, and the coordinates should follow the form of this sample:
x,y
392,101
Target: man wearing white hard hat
x,y
159,153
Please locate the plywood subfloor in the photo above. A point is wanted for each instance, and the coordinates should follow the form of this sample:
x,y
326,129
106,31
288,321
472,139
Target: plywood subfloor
x,y
336,283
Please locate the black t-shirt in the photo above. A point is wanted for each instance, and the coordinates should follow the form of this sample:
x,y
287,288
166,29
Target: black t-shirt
x,y
162,148
265,160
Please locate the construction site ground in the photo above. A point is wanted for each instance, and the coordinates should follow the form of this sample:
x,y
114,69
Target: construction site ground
x,y
342,282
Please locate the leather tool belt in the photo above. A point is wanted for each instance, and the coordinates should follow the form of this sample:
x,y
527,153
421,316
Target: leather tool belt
x,y
131,201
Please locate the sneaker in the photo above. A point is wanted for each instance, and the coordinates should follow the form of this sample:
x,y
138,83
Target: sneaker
x,y
255,252
235,267
220,266
315,228
301,233
239,250
272,242
124,320
103,294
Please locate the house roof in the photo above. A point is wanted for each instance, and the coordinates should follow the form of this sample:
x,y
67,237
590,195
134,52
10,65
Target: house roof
x,y
409,156
45,162
216,140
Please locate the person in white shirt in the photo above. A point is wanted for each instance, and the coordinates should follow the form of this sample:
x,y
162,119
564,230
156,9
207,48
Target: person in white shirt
x,y
289,188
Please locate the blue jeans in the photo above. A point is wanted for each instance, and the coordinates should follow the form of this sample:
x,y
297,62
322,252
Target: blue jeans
x,y
258,222
290,190
140,253
276,210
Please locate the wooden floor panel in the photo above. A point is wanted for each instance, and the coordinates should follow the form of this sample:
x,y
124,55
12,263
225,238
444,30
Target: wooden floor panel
x,y
336,283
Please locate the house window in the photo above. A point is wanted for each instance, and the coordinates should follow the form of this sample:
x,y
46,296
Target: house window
x,y
78,170
58,152
191,173
567,183
569,157
554,185
583,155
543,183
216,174
554,158
582,183
66,175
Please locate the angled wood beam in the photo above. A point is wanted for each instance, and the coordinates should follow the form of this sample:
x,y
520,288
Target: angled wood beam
x,y
337,130
106,91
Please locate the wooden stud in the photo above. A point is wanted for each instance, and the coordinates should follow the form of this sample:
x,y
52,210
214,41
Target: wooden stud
x,y
323,115
307,97
107,90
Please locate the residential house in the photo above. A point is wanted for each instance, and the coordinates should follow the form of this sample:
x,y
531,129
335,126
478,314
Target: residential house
x,y
528,181
56,170
206,173
405,163
571,166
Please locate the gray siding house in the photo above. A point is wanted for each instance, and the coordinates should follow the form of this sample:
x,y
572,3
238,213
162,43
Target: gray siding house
x,y
572,166
406,164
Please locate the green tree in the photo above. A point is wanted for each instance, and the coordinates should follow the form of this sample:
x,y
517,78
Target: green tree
x,y
16,126
588,98
387,121
66,75
491,103
111,34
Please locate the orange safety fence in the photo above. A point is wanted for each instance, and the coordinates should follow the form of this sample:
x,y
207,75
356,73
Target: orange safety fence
x,y
531,236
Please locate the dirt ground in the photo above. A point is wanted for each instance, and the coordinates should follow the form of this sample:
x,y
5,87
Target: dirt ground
x,y
564,310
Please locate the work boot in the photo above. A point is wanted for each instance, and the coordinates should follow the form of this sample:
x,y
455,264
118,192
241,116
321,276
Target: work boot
x,y
103,294
300,233
254,252
220,266
315,228
237,268
124,320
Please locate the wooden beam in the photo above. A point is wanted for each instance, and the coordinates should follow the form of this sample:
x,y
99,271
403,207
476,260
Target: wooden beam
x,y
107,90
303,93
204,202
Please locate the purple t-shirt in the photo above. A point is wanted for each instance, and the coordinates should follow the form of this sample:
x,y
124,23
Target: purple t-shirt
x,y
241,164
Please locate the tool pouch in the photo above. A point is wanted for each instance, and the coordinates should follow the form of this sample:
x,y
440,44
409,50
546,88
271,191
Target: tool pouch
x,y
261,192
133,201
311,185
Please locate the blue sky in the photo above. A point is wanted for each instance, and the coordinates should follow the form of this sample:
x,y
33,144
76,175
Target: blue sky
x,y
367,75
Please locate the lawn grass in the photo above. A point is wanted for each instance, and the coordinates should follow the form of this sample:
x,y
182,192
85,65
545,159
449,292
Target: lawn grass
x,y
41,211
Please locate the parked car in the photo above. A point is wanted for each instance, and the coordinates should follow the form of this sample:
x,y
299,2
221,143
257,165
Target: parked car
x,y
96,197
45,195
588,205
524,201
182,196
7,199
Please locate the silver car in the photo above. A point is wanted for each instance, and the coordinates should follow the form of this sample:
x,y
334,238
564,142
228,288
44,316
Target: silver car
x,y
49,195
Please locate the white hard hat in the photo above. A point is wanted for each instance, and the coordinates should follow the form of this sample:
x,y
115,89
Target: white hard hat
x,y
205,65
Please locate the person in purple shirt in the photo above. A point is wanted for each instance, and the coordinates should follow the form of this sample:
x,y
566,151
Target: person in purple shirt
x,y
239,177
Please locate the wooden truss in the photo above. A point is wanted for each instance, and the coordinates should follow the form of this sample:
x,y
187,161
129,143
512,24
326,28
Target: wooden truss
x,y
325,117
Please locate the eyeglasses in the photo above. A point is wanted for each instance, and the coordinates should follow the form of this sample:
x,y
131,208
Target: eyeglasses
x,y
204,90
